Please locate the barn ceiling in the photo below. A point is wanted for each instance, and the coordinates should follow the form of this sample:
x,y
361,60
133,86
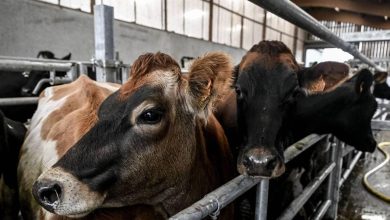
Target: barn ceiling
x,y
373,13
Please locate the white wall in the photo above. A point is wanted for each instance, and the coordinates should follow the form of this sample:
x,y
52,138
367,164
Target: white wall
x,y
27,27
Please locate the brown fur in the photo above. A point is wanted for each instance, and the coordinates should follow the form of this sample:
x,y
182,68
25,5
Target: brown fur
x,y
270,53
380,77
325,76
78,114
144,65
207,75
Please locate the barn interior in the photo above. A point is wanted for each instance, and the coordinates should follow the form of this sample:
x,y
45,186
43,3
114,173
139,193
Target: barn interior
x,y
105,37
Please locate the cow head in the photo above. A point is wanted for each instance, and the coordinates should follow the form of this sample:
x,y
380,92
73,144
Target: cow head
x,y
35,76
345,111
381,89
143,147
273,111
265,84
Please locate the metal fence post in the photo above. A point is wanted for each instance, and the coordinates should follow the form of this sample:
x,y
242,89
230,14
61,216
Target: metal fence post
x,y
332,193
262,199
104,43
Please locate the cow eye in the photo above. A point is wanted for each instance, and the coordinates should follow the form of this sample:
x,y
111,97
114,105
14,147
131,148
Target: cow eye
x,y
152,116
238,92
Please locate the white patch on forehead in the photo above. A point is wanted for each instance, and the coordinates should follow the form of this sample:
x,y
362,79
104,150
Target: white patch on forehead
x,y
167,79
10,127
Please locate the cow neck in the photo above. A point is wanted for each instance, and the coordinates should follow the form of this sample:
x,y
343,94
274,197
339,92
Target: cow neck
x,y
318,113
211,168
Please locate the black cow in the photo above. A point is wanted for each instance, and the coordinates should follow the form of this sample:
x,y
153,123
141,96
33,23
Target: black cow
x,y
11,138
273,112
21,84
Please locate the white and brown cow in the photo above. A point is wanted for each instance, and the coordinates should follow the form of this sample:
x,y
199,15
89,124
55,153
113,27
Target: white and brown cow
x,y
153,147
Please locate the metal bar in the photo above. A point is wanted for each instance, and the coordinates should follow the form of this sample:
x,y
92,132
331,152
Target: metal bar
x,y
332,192
322,210
18,101
32,59
350,168
26,65
378,125
56,81
298,202
294,14
300,146
219,198
104,43
348,149
262,200
236,187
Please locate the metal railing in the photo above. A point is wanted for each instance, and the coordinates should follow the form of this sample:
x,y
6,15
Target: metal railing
x,y
213,202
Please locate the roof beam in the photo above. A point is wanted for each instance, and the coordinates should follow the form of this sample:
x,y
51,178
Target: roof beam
x,y
344,16
362,7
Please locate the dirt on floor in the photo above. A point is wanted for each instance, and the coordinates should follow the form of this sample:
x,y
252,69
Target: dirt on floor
x,y
356,203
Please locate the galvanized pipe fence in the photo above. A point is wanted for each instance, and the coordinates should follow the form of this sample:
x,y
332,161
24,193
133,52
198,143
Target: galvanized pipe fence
x,y
213,202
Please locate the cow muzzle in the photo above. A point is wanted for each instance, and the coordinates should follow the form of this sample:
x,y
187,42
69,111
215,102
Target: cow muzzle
x,y
61,193
260,162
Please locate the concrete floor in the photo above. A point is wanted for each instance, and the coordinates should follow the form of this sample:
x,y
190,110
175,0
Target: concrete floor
x,y
356,203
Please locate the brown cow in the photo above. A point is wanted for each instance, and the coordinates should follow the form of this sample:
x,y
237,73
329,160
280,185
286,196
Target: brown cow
x,y
153,145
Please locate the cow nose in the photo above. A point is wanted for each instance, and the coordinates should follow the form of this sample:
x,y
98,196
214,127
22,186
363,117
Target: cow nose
x,y
47,194
260,162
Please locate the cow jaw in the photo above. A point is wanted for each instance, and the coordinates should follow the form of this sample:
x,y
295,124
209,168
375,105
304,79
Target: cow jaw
x,y
61,193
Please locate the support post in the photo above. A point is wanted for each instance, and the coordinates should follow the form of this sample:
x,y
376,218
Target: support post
x,y
104,43
262,200
332,193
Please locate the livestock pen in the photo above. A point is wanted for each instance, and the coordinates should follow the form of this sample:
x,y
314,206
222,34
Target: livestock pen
x,y
110,69
211,204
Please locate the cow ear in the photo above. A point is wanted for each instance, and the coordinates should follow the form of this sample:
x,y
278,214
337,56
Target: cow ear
x,y
364,81
380,77
209,78
67,57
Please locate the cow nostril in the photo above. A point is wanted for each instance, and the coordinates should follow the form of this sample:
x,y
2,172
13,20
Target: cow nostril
x,y
271,164
246,161
50,195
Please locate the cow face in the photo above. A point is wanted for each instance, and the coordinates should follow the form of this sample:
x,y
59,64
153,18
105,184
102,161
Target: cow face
x,y
144,146
346,112
265,85
35,76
